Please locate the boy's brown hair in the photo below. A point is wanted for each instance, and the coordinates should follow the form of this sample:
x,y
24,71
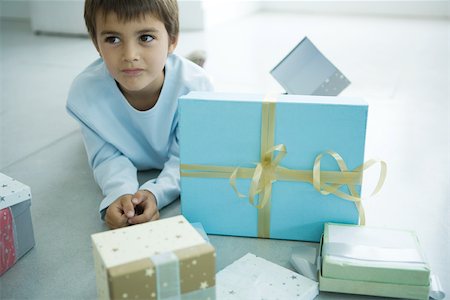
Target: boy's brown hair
x,y
164,10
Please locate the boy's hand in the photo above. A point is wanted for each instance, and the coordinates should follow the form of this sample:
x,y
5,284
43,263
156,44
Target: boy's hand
x,y
119,211
145,207
132,209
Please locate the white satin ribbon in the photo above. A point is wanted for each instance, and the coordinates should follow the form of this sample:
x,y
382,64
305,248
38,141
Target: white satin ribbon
x,y
167,276
436,291
371,253
304,261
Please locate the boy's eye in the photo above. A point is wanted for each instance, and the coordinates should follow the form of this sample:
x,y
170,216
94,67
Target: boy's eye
x,y
146,38
112,40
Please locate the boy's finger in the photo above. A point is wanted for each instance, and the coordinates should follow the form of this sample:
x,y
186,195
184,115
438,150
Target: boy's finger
x,y
138,198
136,201
142,218
118,222
115,218
155,216
128,207
150,213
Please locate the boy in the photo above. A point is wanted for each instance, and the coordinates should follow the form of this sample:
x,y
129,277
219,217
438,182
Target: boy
x,y
126,104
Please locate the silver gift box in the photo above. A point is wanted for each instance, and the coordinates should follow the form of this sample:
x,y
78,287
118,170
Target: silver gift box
x,y
306,71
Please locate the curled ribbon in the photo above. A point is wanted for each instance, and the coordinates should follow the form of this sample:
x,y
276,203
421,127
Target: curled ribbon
x,y
263,176
268,170
325,182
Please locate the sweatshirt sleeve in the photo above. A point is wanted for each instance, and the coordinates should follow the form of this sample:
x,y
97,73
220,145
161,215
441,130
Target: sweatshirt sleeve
x,y
166,187
113,172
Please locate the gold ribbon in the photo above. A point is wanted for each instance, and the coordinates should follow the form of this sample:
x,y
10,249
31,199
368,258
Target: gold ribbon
x,y
268,170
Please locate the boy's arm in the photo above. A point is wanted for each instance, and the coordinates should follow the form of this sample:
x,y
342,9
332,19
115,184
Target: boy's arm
x,y
113,172
166,187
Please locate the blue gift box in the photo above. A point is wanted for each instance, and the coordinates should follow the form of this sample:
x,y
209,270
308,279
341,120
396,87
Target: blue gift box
x,y
223,135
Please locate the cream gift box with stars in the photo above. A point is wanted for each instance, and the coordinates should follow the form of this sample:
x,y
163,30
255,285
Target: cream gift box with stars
x,y
163,259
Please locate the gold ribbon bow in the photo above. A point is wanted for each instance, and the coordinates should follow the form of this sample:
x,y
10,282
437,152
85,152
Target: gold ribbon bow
x,y
268,170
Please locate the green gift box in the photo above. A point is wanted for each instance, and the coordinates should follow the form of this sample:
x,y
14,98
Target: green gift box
x,y
164,259
373,261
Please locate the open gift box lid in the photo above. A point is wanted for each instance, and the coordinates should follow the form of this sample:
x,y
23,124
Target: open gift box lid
x,y
306,71
12,191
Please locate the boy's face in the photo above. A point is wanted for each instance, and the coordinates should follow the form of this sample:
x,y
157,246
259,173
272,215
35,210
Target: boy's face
x,y
134,52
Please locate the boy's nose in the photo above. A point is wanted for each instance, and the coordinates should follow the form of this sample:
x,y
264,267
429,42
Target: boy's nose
x,y
130,53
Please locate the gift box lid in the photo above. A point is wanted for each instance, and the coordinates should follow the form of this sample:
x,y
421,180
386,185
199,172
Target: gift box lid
x,y
280,98
12,191
137,242
306,71
363,253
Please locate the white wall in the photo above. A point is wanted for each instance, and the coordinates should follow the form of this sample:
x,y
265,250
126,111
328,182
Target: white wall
x,y
219,11
66,16
404,8
199,14
14,9
191,14
58,16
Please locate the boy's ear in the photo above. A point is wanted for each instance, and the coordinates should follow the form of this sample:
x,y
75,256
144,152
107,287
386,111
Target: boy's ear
x,y
173,44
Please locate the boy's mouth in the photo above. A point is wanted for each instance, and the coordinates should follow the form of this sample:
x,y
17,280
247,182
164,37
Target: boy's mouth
x,y
132,71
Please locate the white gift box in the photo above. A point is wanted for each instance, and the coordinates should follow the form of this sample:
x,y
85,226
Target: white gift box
x,y
373,261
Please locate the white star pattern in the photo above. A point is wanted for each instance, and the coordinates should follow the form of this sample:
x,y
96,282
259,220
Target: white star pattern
x,y
203,285
149,272
194,262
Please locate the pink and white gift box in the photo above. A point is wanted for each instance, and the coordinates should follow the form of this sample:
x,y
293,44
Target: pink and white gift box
x,y
16,229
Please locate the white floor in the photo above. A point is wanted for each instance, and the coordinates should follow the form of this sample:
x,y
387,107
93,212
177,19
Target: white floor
x,y
399,66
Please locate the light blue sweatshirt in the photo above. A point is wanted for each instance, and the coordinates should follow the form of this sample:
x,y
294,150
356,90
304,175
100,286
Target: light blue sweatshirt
x,y
121,140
